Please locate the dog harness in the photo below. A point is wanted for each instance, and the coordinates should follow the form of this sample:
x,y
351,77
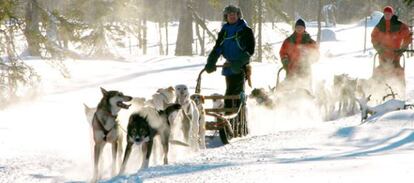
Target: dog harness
x,y
102,126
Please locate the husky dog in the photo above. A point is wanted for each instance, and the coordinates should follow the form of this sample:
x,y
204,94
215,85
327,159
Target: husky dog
x,y
199,101
324,99
262,97
162,98
191,112
106,129
143,126
345,89
148,122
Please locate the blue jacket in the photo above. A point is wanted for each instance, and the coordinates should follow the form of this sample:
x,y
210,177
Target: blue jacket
x,y
236,43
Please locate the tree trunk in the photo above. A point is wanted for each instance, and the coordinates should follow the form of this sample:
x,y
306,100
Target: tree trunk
x,y
144,35
51,30
200,40
260,21
166,37
293,9
412,30
161,48
166,6
31,31
319,21
140,45
201,4
185,31
247,7
203,52
101,48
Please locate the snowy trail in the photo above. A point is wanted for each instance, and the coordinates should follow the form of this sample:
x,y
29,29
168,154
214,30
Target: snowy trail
x,y
47,139
324,154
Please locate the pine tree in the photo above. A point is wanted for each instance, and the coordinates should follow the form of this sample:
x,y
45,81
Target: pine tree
x,y
14,74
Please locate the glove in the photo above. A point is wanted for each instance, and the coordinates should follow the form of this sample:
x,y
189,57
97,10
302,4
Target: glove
x,y
211,62
210,68
379,48
400,51
285,63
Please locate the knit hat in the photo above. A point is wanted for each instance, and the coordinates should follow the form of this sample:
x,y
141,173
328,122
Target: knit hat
x,y
300,22
388,9
231,9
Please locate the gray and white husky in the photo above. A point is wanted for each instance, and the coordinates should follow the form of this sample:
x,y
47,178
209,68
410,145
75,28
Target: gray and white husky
x,y
106,128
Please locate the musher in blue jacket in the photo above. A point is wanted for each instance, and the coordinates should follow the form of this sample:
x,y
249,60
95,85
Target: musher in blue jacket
x,y
236,43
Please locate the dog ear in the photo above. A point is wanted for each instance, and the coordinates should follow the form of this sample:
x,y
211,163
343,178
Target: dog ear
x,y
104,92
170,88
86,107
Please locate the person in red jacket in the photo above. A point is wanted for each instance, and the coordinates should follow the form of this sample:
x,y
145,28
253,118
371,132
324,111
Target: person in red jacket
x,y
389,37
297,53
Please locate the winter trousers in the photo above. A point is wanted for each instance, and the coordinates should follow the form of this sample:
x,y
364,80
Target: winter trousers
x,y
234,86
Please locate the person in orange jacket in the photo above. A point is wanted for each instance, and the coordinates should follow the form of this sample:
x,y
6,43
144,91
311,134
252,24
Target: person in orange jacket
x,y
298,52
389,37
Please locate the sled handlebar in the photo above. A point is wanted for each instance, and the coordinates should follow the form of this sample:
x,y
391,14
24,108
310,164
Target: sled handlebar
x,y
198,86
397,51
278,76
404,50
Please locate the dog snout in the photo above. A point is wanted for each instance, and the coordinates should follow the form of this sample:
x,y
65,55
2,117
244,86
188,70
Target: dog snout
x,y
127,98
138,139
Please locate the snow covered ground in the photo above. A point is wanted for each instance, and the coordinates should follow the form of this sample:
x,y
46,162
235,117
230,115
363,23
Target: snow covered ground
x,y
47,139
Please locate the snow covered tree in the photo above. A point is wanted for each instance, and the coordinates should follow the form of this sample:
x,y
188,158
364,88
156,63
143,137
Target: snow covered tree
x,y
14,74
320,5
260,22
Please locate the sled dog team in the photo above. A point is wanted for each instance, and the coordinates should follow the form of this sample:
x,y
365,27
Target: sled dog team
x,y
168,107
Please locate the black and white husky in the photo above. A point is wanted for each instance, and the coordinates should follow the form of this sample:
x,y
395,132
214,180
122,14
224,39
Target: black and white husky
x,y
106,128
148,122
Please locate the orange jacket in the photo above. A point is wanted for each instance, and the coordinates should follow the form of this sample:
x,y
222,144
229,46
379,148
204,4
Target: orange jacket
x,y
300,51
389,36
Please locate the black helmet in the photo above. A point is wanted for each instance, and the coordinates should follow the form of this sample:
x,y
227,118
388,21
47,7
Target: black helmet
x,y
231,9
300,22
